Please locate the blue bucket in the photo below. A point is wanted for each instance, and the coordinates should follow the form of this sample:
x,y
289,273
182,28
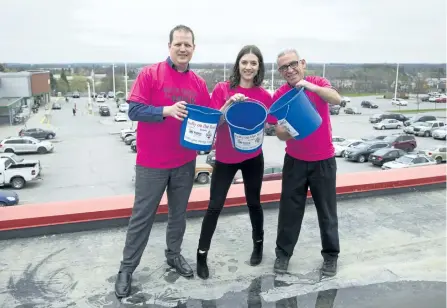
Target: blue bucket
x,y
246,122
199,128
296,113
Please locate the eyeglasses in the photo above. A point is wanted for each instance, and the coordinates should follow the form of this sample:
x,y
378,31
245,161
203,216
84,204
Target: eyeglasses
x,y
285,67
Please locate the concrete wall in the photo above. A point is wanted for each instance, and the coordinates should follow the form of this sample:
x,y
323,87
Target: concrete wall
x,y
15,85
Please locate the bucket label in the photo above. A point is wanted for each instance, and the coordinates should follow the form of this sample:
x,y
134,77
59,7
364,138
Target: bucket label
x,y
200,133
248,142
292,132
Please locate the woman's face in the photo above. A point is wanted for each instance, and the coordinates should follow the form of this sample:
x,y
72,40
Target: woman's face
x,y
248,66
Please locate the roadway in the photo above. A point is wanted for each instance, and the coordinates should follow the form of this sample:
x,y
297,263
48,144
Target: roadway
x,y
91,161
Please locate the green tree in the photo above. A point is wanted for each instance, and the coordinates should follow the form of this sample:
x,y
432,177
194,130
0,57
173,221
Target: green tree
x,y
64,79
2,68
53,82
62,86
78,83
107,84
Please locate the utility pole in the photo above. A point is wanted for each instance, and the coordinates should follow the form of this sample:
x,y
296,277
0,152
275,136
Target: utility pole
x,y
113,73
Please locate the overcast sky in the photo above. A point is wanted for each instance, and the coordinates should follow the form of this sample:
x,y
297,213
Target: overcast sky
x,y
43,31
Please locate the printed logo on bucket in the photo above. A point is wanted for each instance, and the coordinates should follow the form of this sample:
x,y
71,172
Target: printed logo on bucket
x,y
199,132
292,132
248,142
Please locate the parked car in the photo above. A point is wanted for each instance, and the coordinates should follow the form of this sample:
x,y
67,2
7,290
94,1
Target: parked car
x,y
126,132
133,146
338,139
20,162
440,133
16,177
399,102
340,148
129,139
426,128
120,117
37,133
381,156
388,124
352,111
438,153
271,173
8,198
123,107
374,138
381,116
334,109
25,145
100,99
211,158
203,173
362,151
419,118
76,94
402,141
56,106
410,129
104,111
409,161
368,104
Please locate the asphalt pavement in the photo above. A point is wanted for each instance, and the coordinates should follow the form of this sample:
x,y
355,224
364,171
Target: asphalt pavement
x,y
91,161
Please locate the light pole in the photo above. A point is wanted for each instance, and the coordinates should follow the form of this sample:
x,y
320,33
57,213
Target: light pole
x,y
113,73
125,78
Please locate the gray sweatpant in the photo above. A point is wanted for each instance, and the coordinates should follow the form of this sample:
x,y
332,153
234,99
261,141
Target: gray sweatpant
x,y
150,184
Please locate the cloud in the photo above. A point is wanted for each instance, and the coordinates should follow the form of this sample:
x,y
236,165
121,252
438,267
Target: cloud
x,y
137,30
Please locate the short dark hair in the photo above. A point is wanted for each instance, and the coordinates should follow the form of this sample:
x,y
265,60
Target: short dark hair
x,y
235,77
180,28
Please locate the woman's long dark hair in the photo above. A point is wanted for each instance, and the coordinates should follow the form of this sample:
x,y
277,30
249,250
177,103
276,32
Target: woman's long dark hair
x,y
235,77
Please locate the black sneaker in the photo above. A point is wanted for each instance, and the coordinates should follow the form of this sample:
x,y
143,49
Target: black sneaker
x,y
281,265
329,267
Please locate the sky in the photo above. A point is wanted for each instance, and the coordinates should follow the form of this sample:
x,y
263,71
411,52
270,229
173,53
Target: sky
x,y
323,31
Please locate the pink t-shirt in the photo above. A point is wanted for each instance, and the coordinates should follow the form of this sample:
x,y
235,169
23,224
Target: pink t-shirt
x,y
318,145
225,152
161,85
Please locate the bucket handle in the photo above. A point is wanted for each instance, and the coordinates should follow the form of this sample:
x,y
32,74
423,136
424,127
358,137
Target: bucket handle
x,y
208,113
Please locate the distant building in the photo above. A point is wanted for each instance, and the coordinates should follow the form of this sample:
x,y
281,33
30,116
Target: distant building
x,y
21,90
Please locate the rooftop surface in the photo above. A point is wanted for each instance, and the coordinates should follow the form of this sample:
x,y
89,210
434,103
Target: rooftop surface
x,y
393,255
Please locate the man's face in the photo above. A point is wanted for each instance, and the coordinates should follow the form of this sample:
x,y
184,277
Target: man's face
x,y
291,67
182,48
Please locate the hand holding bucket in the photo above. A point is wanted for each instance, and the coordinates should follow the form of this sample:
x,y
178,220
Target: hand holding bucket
x,y
296,113
178,110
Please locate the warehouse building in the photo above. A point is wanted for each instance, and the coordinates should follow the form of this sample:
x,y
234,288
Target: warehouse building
x,y
20,91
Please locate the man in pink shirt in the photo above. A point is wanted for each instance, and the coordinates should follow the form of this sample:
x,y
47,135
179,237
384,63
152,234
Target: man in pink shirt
x,y
308,163
158,102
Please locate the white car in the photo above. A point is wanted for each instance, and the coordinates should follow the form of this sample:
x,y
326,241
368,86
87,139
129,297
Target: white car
x,y
123,107
100,99
409,161
338,139
388,124
340,148
121,117
346,99
25,145
399,102
410,129
440,133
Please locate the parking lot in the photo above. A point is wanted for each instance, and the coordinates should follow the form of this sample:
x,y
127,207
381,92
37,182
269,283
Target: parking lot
x,y
91,161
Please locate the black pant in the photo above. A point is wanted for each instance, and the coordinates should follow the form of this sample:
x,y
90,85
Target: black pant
x,y
222,178
297,177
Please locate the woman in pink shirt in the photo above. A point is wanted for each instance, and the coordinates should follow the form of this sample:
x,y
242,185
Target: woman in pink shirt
x,y
245,83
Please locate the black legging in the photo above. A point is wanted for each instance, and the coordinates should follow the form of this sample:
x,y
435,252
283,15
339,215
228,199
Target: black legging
x,y
222,178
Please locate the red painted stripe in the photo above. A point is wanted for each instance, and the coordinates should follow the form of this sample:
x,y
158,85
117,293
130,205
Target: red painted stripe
x,y
55,213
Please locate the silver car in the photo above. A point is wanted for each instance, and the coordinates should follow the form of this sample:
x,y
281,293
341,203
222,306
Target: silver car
x,y
25,145
388,124
440,133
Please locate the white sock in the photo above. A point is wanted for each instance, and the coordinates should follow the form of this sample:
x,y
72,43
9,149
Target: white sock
x,y
202,251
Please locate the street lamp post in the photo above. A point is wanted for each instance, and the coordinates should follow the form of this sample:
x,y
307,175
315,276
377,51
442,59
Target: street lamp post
x,y
113,73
